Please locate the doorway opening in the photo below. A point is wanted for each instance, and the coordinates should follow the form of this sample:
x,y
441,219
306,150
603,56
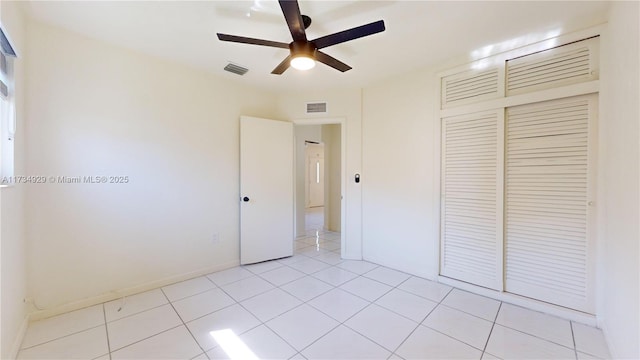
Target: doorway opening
x,y
318,189
314,174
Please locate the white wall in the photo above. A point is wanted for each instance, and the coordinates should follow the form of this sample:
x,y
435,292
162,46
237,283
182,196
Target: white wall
x,y
333,175
343,103
100,110
13,310
400,210
302,133
620,197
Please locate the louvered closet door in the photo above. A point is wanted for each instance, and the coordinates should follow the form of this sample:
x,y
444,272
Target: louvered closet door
x,y
471,229
564,65
470,86
547,182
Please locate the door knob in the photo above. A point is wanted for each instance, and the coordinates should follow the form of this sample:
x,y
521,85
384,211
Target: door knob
x,y
245,199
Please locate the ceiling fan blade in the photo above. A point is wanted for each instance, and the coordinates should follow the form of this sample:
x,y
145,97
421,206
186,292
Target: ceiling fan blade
x,y
284,65
351,34
292,15
331,61
246,40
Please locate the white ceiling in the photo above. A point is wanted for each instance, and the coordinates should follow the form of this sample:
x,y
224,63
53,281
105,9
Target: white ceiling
x,y
419,33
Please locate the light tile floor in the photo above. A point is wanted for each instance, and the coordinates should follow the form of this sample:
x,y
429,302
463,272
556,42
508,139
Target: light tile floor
x,y
314,218
313,305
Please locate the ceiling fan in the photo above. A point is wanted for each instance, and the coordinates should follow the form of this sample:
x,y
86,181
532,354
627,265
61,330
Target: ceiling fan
x,y
304,53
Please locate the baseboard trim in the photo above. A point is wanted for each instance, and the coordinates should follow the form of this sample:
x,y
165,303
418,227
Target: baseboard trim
x,y
117,294
19,337
605,331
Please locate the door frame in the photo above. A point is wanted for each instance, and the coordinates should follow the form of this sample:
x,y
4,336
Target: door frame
x,y
343,169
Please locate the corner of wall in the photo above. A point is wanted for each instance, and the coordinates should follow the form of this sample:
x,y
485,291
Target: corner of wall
x,y
619,282
15,348
14,312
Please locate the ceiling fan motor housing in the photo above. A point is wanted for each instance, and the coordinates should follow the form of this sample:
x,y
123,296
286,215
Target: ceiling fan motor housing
x,y
303,48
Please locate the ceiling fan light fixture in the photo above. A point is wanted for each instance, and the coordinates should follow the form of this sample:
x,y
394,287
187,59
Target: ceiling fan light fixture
x,y
302,62
303,53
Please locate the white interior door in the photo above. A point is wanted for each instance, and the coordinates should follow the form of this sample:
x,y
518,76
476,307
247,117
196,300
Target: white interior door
x,y
315,175
266,189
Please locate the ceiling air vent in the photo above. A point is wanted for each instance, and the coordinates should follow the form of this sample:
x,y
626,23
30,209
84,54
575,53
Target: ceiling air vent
x,y
316,108
236,69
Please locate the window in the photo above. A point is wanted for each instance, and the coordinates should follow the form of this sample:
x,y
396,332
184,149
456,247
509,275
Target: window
x,y
7,109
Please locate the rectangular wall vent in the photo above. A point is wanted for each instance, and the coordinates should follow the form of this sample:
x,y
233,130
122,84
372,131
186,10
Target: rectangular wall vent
x,y
316,108
236,69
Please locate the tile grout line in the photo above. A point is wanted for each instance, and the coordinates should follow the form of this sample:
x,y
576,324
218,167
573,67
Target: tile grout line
x,y
138,313
306,301
303,302
372,302
535,336
183,324
106,330
276,285
322,312
232,282
60,337
147,338
423,319
252,296
573,337
342,323
302,272
484,350
454,338
326,266
261,323
379,282
468,313
192,295
397,287
359,311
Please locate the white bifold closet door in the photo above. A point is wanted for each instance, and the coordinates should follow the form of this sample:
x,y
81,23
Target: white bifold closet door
x,y
549,164
471,198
